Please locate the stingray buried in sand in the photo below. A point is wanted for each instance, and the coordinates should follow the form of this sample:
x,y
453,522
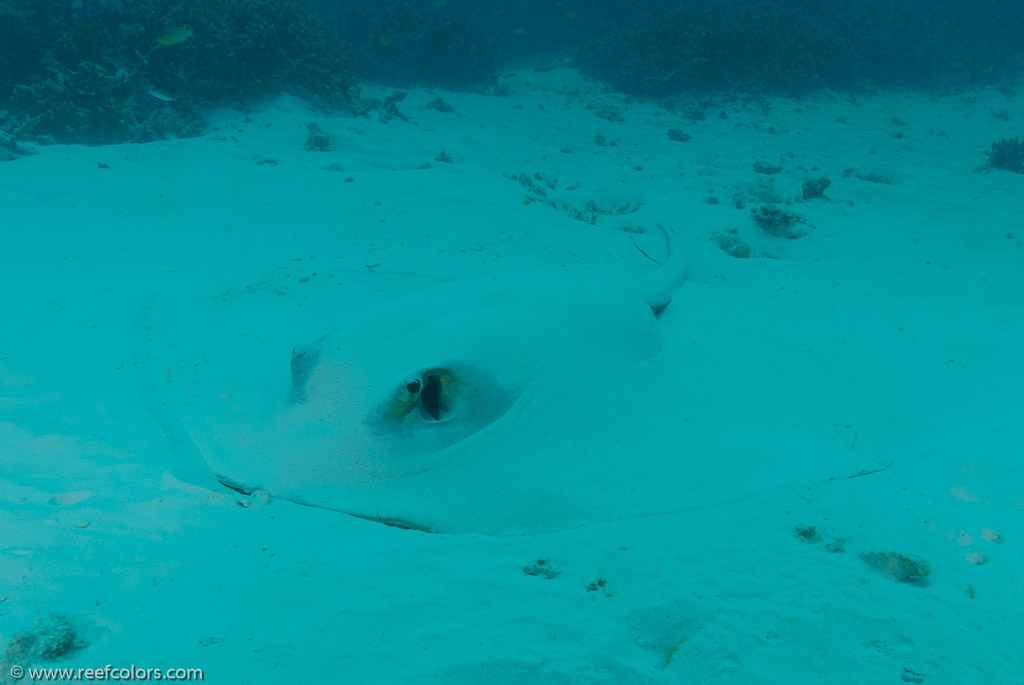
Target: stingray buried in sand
x,y
514,404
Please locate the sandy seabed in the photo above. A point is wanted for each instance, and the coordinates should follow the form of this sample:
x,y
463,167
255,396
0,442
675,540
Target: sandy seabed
x,y
899,311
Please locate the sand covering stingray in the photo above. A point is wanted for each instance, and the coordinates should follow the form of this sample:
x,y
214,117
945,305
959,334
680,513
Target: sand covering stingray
x,y
513,404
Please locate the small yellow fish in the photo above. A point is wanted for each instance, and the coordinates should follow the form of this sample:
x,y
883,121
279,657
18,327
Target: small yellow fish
x,y
172,35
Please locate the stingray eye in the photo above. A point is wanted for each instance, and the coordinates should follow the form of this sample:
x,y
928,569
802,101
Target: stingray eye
x,y
434,394
433,402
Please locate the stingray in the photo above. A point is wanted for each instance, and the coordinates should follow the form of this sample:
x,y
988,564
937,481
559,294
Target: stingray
x,y
505,405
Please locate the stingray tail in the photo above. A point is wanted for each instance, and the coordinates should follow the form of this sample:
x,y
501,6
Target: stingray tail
x,y
659,285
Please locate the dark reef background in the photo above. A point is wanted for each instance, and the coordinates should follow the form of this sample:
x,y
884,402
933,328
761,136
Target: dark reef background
x,y
91,71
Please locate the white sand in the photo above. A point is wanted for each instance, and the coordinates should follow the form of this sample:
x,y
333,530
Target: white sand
x,y
901,307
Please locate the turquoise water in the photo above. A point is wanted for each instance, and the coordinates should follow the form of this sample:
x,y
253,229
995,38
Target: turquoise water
x,y
452,342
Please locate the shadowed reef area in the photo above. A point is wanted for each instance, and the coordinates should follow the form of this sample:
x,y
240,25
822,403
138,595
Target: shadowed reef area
x,y
103,71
